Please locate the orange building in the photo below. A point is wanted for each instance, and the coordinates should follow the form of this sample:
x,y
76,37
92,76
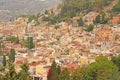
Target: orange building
x,y
116,19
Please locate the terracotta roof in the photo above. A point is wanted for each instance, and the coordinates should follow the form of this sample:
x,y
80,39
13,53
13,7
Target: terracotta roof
x,y
70,67
116,19
8,32
107,34
34,63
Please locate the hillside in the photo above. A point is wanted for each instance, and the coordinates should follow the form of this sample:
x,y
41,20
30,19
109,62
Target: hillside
x,y
72,8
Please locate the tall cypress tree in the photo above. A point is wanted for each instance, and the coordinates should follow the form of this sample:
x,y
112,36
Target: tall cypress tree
x,y
80,22
97,19
4,60
52,74
58,70
12,55
0,48
17,40
30,43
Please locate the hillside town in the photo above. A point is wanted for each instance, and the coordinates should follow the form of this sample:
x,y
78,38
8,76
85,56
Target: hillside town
x,y
70,39
69,46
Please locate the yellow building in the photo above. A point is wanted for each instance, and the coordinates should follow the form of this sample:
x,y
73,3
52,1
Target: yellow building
x,y
83,60
41,70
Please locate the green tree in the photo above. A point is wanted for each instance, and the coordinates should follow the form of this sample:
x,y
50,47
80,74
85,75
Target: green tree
x,y
90,27
2,68
52,74
80,22
54,65
65,75
101,58
97,19
12,39
58,70
17,40
24,74
102,69
12,55
116,8
104,20
32,17
30,43
1,49
116,60
4,60
79,73
71,8
11,74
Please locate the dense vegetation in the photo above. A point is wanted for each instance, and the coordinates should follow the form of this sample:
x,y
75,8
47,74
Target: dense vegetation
x,y
11,74
116,60
101,18
32,17
7,70
90,27
30,43
12,39
102,69
12,55
71,8
116,8
1,46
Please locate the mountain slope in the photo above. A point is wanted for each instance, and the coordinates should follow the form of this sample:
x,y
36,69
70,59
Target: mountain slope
x,y
10,8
